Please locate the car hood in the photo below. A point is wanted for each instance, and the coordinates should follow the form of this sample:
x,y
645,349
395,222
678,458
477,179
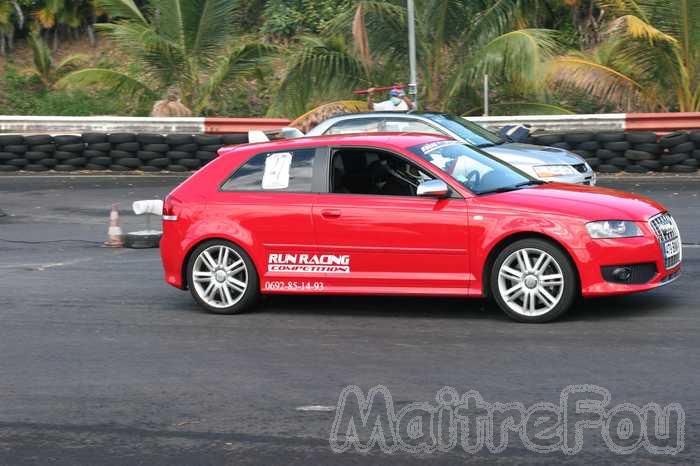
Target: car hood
x,y
528,154
585,202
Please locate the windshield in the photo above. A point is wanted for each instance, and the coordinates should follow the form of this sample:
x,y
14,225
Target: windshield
x,y
476,170
470,132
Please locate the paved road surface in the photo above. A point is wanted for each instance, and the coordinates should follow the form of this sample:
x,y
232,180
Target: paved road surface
x,y
102,363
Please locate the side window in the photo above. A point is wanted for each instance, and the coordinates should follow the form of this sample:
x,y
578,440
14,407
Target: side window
x,y
376,172
404,125
356,125
274,171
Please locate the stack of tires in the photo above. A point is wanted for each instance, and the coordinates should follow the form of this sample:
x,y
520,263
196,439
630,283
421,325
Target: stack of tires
x,y
631,152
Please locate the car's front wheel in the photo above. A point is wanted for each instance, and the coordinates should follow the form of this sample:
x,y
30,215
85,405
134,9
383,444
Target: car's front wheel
x,y
222,277
532,280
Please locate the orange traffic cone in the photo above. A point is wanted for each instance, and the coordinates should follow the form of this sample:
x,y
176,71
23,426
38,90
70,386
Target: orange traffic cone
x,y
115,238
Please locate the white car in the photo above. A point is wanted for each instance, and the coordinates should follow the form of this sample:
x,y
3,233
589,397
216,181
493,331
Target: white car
x,y
541,162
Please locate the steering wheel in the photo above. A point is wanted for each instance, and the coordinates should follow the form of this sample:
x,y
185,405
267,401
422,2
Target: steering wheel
x,y
473,179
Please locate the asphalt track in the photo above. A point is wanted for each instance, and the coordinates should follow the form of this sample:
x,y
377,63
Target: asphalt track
x,y
103,363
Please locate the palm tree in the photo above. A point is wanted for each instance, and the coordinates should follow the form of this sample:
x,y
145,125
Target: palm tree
x,y
650,60
458,41
186,44
45,69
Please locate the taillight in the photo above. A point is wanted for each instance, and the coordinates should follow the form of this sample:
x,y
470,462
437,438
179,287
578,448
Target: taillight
x,y
170,209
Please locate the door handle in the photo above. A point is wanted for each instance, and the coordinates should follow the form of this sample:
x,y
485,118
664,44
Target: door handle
x,y
330,213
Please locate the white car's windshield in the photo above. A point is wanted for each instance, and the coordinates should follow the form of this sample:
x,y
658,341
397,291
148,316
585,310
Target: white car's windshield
x,y
476,170
470,132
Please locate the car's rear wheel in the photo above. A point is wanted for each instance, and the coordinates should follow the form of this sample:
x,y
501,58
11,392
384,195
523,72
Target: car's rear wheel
x,y
532,280
222,277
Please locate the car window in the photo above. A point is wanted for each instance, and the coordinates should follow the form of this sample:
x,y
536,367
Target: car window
x,y
274,171
355,125
404,125
375,172
469,131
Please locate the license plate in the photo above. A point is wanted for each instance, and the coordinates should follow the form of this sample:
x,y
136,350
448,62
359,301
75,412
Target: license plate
x,y
671,248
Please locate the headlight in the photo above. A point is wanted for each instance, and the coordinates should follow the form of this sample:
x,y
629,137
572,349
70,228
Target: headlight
x,y
613,229
550,171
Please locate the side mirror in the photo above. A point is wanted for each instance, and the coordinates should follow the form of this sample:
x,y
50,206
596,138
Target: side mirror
x,y
433,188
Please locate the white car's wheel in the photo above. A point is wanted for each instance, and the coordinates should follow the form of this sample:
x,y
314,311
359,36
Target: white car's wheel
x,y
222,278
533,281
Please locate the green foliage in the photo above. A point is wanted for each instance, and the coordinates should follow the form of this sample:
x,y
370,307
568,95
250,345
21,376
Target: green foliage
x,y
287,18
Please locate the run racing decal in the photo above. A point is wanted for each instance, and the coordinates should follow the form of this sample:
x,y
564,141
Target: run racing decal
x,y
308,263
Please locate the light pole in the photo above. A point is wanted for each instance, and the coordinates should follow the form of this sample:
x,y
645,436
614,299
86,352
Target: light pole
x,y
413,84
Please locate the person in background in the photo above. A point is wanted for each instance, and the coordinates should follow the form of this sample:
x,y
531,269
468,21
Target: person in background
x,y
398,101
171,106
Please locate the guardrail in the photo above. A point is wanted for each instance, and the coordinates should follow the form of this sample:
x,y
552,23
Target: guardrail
x,y
561,123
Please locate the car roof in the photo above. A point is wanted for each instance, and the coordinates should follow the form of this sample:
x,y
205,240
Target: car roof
x,y
397,140
409,113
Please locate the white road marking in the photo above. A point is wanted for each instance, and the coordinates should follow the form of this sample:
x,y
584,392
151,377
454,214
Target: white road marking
x,y
316,408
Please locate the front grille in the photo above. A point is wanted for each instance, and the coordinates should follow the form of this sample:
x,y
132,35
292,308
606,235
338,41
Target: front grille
x,y
666,231
581,167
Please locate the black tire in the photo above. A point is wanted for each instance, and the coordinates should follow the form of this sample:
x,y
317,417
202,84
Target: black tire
x,y
694,136
637,155
19,163
673,139
682,147
570,280
11,140
178,139
142,239
610,136
680,168
71,147
150,138
77,162
594,162
252,292
177,155
641,137
48,148
5,156
35,167
149,168
120,138
33,156
211,147
207,139
95,167
119,168
547,139
562,145
61,155
94,153
234,139
606,168
146,155
589,145
49,163
695,155
691,162
67,139
619,146
206,157
578,138
652,148
650,164
101,146
584,153
8,168
38,139
17,148
636,169
605,154
63,168
128,146
120,154
159,163
160,148
101,161
95,138
129,162
192,164
619,162
177,168
185,148
672,159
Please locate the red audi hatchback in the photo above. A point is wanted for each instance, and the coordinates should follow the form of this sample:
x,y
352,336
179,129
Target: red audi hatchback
x,y
405,214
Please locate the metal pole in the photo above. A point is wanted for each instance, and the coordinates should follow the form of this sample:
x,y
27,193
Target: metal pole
x,y
413,84
486,95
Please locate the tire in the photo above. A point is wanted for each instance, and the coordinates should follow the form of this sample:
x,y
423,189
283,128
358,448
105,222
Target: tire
x,y
547,139
118,168
641,137
562,145
177,155
150,138
606,168
652,148
682,169
5,156
101,146
178,139
33,156
49,163
206,157
149,168
11,140
589,145
673,139
120,154
696,154
95,167
242,297
63,168
578,138
650,164
67,139
605,154
35,167
234,139
129,162
38,139
61,155
636,169
71,147
691,162
19,163
119,138
682,147
619,162
211,147
159,163
104,161
160,148
94,153
584,153
95,138
17,148
672,159
8,168
610,136
637,155
145,239
594,162
146,155
185,148
48,148
128,146
192,164
694,136
176,168
619,146
77,162
557,263
207,139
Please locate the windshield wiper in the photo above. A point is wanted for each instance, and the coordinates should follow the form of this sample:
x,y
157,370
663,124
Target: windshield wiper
x,y
505,189
530,183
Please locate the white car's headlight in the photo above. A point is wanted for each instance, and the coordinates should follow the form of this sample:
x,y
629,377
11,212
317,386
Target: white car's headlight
x,y
613,229
550,171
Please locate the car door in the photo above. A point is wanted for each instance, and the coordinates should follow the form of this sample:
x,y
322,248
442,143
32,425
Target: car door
x,y
268,200
383,238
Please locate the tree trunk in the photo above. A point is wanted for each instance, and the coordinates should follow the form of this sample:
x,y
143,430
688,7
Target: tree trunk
x,y
55,38
2,45
90,30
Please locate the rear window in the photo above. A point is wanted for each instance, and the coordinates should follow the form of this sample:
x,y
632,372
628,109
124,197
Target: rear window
x,y
286,171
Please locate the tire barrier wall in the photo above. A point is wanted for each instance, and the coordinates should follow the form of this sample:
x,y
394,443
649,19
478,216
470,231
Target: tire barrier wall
x,y
631,151
148,152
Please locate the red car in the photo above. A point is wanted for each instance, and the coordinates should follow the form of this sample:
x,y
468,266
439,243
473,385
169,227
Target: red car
x,y
406,214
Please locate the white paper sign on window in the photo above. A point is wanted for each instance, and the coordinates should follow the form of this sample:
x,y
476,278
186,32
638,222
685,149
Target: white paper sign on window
x,y
276,175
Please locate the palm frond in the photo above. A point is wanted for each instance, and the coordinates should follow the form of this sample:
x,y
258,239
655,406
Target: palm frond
x,y
109,79
636,28
207,24
122,9
520,108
